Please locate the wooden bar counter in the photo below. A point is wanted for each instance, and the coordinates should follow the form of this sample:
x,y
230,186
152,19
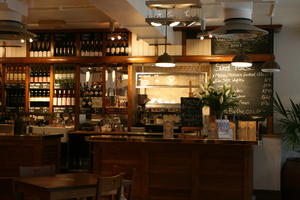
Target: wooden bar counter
x,y
25,150
183,169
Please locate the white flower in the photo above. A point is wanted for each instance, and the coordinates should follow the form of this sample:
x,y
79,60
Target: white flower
x,y
221,99
227,92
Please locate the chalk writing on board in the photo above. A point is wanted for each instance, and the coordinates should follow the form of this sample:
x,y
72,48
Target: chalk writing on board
x,y
254,88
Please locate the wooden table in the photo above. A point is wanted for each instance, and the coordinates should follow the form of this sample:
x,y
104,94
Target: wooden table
x,y
60,186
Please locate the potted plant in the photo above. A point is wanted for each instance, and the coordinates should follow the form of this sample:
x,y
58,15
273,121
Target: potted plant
x,y
289,122
218,99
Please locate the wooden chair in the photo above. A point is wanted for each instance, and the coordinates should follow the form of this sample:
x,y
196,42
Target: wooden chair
x,y
109,187
45,170
128,181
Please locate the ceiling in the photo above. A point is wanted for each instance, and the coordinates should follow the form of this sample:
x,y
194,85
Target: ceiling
x,y
131,14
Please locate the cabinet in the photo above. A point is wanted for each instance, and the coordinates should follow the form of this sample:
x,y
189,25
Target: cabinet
x,y
58,93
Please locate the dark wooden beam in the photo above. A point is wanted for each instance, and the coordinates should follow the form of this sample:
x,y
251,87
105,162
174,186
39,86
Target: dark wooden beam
x,y
276,28
131,59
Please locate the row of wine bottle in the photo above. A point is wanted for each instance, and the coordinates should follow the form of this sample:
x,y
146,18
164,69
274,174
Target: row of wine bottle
x,y
95,90
91,48
117,49
39,49
68,48
15,73
64,48
64,74
15,97
64,98
40,74
39,93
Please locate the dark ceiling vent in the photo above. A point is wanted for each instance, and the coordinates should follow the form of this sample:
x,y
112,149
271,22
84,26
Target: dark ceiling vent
x,y
14,30
238,28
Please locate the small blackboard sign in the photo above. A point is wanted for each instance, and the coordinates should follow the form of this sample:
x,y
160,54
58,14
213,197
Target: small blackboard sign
x,y
258,45
253,87
191,114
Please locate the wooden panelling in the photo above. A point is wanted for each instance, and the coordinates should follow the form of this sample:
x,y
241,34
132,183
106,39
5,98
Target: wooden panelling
x,y
198,47
181,171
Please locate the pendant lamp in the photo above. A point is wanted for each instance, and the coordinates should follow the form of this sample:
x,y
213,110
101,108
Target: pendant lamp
x,y
241,60
270,66
165,60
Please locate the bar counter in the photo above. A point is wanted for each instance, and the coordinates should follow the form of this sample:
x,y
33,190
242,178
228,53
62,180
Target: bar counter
x,y
183,169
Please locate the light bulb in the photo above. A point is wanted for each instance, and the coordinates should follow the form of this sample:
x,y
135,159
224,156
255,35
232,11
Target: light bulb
x,y
30,40
202,37
210,35
112,38
174,24
22,40
119,37
155,24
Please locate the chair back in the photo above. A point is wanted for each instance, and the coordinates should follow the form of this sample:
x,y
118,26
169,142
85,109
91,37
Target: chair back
x,y
109,186
45,170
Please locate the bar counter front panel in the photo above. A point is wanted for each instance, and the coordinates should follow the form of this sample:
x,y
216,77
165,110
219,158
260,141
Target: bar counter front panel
x,y
179,168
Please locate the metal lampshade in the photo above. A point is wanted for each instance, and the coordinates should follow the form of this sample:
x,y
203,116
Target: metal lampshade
x,y
14,30
165,60
270,66
241,60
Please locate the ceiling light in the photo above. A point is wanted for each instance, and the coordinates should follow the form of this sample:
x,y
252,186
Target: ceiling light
x,y
165,60
30,40
174,24
119,37
202,37
270,66
22,40
155,24
210,35
112,38
241,60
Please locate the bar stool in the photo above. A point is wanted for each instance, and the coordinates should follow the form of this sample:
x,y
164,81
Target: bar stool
x,y
128,181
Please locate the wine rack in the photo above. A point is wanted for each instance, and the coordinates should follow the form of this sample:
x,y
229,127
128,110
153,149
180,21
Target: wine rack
x,y
64,44
85,44
15,74
91,44
39,88
117,44
40,46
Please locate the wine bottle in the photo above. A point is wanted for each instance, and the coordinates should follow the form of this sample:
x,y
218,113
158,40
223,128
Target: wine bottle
x,y
73,98
126,49
108,52
113,50
59,99
68,96
117,50
31,49
122,49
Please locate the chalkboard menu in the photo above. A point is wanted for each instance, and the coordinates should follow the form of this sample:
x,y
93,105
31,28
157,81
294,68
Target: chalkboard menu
x,y
191,114
258,45
253,87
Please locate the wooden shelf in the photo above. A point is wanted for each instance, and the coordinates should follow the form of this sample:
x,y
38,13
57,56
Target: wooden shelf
x,y
131,59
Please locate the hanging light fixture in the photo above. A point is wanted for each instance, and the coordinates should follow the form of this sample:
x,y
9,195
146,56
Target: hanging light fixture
x,y
165,60
241,60
270,66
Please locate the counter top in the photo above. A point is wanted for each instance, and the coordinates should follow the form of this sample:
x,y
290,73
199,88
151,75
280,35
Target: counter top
x,y
137,139
28,136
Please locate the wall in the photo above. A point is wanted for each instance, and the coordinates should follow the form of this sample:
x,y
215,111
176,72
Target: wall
x,y
287,82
